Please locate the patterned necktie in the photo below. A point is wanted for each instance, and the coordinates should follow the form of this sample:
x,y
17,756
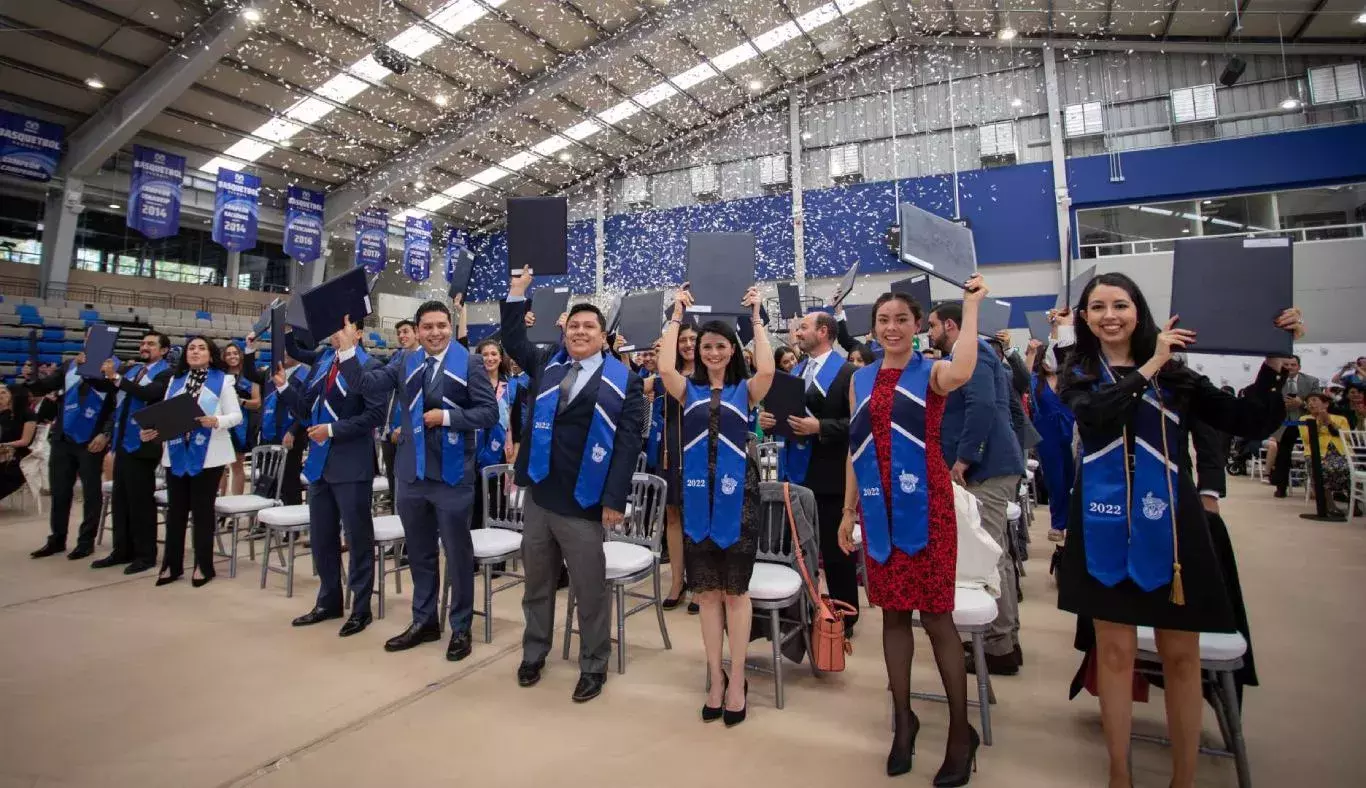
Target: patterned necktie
x,y
567,385
810,373
428,379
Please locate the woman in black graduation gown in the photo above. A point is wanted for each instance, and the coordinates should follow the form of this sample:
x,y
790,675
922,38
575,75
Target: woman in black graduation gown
x,y
1138,549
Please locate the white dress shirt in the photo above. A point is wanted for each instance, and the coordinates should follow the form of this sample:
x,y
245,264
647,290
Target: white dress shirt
x,y
229,413
813,367
587,366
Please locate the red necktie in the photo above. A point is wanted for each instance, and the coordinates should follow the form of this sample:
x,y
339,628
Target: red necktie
x,y
331,377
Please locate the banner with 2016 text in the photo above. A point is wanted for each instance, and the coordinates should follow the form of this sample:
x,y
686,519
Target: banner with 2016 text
x,y
236,209
154,192
303,224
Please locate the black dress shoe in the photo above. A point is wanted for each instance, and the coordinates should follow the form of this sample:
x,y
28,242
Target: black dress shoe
x,y
460,646
108,561
529,673
1003,665
355,625
48,549
589,686
413,636
694,608
79,553
139,566
200,582
733,718
315,616
161,581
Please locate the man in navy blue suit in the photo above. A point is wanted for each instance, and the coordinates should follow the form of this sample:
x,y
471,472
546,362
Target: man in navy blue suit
x,y
579,465
340,469
983,452
442,396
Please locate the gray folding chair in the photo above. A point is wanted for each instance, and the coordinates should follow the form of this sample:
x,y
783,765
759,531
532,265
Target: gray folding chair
x,y
768,461
267,473
498,542
632,553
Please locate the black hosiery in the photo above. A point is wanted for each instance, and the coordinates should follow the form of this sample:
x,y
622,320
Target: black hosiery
x,y
898,651
953,672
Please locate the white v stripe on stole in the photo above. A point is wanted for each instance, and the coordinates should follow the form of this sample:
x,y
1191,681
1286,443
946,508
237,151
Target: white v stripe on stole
x,y
1171,466
908,395
723,439
735,410
694,441
1101,452
613,387
605,417
868,441
907,434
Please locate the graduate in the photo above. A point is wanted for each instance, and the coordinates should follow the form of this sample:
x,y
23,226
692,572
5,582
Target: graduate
x,y
1138,550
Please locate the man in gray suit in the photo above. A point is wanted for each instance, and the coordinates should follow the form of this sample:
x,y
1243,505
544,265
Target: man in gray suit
x,y
1297,387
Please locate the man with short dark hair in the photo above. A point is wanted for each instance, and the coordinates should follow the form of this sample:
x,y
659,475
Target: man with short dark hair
x,y
340,469
578,465
1298,387
278,427
77,446
980,446
817,458
132,506
442,397
406,330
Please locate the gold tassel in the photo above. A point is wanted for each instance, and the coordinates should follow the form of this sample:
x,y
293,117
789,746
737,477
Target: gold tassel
x,y
1178,590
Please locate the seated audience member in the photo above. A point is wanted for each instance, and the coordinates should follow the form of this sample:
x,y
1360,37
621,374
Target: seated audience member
x,y
1332,447
16,434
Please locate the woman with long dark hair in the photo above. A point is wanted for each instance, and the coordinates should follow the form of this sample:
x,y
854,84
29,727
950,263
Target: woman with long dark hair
x,y
1138,549
898,485
16,435
721,488
194,461
684,355
249,399
785,358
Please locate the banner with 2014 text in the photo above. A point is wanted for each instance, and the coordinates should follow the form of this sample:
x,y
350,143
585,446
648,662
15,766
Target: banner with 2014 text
x,y
236,209
154,192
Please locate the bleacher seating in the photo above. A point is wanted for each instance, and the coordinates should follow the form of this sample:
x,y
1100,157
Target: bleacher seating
x,y
61,325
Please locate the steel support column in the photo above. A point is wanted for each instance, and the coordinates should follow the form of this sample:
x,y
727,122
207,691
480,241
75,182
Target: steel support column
x,y
1059,157
233,269
61,217
599,236
794,133
123,116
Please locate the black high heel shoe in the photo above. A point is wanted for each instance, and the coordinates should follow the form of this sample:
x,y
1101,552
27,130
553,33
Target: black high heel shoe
x,y
899,759
200,582
733,718
674,601
167,579
714,713
953,774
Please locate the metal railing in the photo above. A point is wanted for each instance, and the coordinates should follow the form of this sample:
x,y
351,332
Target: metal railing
x,y
17,287
1332,232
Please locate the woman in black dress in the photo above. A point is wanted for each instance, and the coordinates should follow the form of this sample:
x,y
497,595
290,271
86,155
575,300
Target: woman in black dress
x,y
16,433
671,462
720,488
1138,549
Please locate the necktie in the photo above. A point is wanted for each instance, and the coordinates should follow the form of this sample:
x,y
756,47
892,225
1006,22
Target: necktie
x,y
141,371
428,375
331,377
810,373
567,385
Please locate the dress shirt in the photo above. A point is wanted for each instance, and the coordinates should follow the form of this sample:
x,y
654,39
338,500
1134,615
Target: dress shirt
x,y
813,366
587,366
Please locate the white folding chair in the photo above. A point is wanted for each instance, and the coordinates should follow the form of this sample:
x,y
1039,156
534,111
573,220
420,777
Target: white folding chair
x,y
1221,654
498,542
632,555
768,461
267,472
1356,462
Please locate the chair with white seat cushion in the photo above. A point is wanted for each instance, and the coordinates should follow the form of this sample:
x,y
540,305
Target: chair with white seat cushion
x,y
267,472
284,525
1221,654
388,534
973,611
498,542
107,491
775,583
380,498
632,556
1356,463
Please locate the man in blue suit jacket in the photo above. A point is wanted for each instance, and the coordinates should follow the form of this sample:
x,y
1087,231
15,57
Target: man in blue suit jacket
x,y
579,466
980,445
441,396
340,469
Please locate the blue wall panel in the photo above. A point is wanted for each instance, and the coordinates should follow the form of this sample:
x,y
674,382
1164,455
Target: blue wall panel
x,y
1335,154
650,249
488,281
1010,210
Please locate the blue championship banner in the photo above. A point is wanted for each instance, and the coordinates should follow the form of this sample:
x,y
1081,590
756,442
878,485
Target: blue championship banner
x,y
303,224
457,241
154,192
235,209
29,148
417,248
372,240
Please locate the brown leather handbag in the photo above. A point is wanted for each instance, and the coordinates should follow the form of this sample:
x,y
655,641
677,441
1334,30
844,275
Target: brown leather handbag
x,y
828,644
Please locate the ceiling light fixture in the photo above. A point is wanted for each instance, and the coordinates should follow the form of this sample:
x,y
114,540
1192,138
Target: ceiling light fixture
x,y
1361,19
1290,103
755,86
440,100
1006,34
419,185
806,135
94,83
114,206
566,156
1017,102
251,15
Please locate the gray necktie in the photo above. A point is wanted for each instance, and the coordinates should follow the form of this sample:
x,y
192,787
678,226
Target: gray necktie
x,y
810,373
567,385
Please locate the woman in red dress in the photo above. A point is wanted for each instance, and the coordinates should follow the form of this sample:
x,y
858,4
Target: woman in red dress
x,y
910,531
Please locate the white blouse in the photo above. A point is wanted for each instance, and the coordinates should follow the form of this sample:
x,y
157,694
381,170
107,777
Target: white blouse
x,y
229,415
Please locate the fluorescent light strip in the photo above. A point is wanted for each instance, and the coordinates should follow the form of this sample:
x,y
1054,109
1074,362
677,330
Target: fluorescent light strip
x,y
451,17
663,91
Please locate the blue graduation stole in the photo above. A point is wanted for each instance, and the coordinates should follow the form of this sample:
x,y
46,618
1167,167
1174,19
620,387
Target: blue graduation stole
x,y
908,528
239,432
277,422
876,347
79,413
1118,544
187,451
602,433
131,440
712,504
490,442
797,453
325,408
456,366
